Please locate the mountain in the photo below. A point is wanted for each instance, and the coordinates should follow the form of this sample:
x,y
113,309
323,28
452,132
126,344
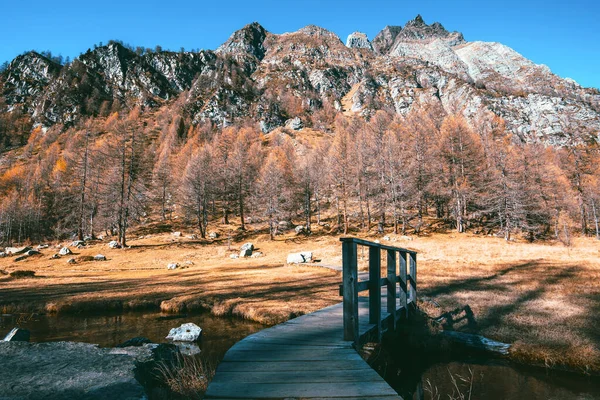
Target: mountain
x,y
272,78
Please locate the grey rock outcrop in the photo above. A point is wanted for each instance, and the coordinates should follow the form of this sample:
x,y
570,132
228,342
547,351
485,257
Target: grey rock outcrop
x,y
358,40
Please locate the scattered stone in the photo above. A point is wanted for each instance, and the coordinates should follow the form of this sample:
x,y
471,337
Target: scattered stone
x,y
78,243
256,255
2,254
99,257
71,261
176,234
17,250
404,237
172,266
42,246
387,238
377,241
294,123
135,342
65,251
193,237
234,256
188,332
88,238
32,253
213,235
188,263
55,256
299,258
300,229
246,250
17,335
284,225
21,258
113,244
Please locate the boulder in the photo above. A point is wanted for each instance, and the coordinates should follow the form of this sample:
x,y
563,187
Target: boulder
x,y
176,234
78,243
88,238
42,246
256,255
21,258
17,335
172,266
68,370
234,256
299,258
32,253
71,261
188,263
2,254
65,251
17,250
387,238
113,244
188,332
99,257
55,257
284,225
299,229
213,235
294,123
246,250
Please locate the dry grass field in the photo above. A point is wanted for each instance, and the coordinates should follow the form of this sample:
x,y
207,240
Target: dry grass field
x,y
542,298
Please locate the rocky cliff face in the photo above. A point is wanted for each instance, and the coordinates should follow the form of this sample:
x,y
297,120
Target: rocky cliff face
x,y
272,78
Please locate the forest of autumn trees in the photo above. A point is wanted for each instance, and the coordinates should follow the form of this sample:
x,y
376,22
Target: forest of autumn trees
x,y
409,174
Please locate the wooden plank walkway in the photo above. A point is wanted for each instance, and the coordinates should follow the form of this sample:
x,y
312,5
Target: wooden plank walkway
x,y
304,358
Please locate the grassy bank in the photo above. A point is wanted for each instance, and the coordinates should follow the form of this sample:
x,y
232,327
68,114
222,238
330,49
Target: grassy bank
x,y
542,298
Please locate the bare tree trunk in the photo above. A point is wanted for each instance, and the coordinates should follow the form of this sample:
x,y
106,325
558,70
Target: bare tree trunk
x,y
595,219
83,183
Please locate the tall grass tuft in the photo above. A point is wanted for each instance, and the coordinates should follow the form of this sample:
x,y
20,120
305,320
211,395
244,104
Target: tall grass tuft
x,y
187,377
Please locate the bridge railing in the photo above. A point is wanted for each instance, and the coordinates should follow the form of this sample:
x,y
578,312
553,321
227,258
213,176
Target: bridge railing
x,y
397,275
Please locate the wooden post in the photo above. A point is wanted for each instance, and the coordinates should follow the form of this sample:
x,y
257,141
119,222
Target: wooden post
x,y
375,287
413,279
403,278
350,281
391,285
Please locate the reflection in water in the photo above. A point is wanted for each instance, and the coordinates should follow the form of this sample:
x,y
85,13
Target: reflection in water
x,y
497,381
109,330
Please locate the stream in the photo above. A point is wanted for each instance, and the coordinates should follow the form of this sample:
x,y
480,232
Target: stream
x,y
442,379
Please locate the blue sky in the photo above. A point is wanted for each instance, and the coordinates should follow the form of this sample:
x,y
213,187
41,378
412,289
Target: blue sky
x,y
564,35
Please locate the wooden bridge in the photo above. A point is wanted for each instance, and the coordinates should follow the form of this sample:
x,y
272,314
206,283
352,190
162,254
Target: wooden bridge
x,y
315,356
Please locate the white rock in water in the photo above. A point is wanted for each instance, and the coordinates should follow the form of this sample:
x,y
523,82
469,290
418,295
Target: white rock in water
x,y
65,251
189,332
358,40
299,258
172,266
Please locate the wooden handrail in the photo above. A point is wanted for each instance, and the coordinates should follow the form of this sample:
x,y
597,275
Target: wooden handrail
x,y
351,286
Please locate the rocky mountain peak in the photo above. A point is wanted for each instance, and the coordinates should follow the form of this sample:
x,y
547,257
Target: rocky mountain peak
x,y
382,43
27,75
417,29
358,40
248,40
